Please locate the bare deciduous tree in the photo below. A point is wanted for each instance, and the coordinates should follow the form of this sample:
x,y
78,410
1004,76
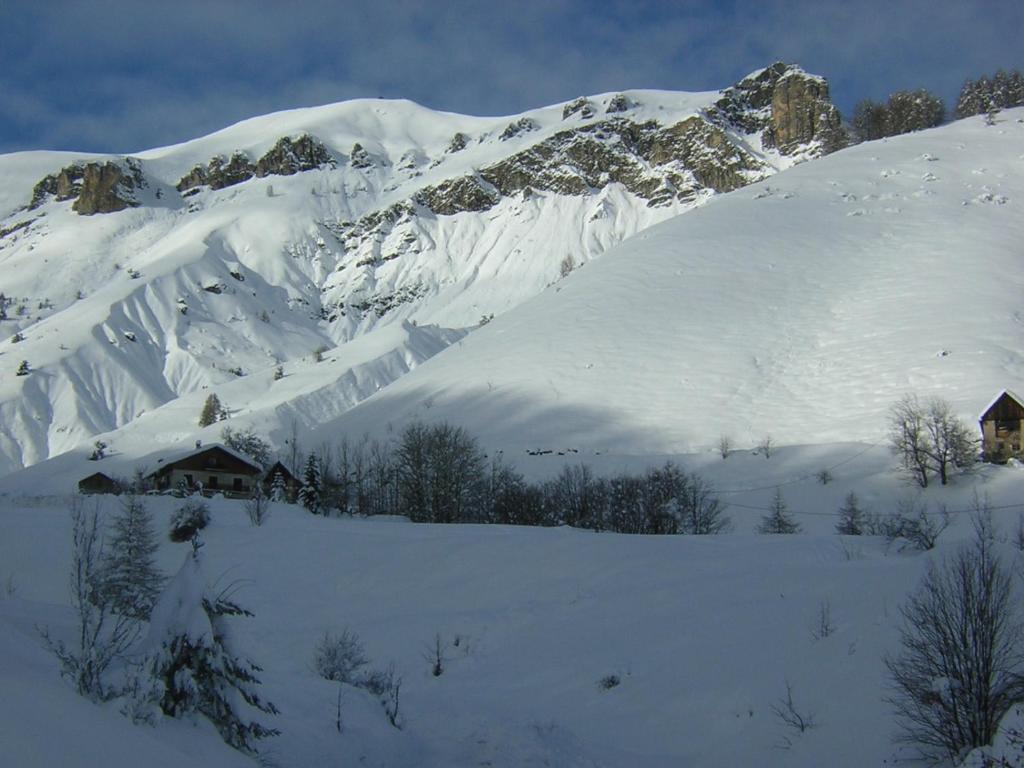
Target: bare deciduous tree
x,y
961,663
929,438
102,636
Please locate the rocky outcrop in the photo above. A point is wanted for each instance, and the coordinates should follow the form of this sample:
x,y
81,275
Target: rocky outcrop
x,y
287,157
458,143
107,188
290,156
788,107
219,173
618,103
581,106
359,158
467,193
95,187
518,128
63,185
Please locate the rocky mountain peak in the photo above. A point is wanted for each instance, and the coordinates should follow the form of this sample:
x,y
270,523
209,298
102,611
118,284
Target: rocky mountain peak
x,y
789,107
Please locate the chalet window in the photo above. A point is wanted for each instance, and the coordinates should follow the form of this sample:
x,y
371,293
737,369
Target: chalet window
x,y
189,480
212,482
1005,426
237,484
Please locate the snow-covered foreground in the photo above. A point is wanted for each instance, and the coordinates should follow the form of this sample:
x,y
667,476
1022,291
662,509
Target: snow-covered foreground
x,y
703,634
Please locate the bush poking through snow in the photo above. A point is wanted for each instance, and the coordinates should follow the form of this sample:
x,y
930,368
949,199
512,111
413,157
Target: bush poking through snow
x,y
961,661
340,657
102,636
257,506
608,682
188,520
796,721
436,657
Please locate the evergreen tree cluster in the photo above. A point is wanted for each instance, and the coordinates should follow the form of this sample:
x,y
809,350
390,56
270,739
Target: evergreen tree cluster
x,y
905,111
990,94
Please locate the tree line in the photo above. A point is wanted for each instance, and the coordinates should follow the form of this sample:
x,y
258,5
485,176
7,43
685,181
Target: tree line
x,y
439,474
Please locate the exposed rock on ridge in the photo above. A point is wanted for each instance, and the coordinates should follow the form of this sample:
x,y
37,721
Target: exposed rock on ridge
x,y
790,108
287,157
95,187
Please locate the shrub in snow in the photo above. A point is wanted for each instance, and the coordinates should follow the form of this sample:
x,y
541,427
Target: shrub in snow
x,y
961,661
257,506
99,450
188,519
102,636
608,682
23,369
340,657
792,717
129,579
192,666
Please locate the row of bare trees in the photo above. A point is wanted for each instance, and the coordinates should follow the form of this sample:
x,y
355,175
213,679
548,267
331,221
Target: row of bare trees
x,y
438,473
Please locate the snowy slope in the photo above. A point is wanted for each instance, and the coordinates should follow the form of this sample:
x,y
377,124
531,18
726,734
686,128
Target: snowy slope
x,y
402,214
800,308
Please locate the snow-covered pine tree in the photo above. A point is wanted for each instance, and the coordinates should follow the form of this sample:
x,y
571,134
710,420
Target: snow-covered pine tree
x,y
129,576
310,495
192,665
778,519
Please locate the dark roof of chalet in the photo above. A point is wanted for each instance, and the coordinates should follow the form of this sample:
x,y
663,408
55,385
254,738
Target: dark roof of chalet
x,y
996,399
278,466
97,476
169,461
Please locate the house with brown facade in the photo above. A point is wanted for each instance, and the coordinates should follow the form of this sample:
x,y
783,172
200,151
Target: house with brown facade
x,y
1001,424
211,469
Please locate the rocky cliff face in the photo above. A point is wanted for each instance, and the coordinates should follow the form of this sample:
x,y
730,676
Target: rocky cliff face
x,y
789,107
94,187
288,156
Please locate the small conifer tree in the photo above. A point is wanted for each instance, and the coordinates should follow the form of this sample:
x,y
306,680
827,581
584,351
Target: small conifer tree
x,y
310,495
278,490
778,519
213,411
851,517
192,665
129,575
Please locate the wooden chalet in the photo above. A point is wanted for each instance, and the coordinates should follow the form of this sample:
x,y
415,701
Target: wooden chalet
x,y
211,469
291,483
98,482
1001,424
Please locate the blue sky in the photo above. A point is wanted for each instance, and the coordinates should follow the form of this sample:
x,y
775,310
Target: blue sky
x,y
125,75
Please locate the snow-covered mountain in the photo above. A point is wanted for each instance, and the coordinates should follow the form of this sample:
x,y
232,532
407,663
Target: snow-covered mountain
x,y
131,282
799,308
